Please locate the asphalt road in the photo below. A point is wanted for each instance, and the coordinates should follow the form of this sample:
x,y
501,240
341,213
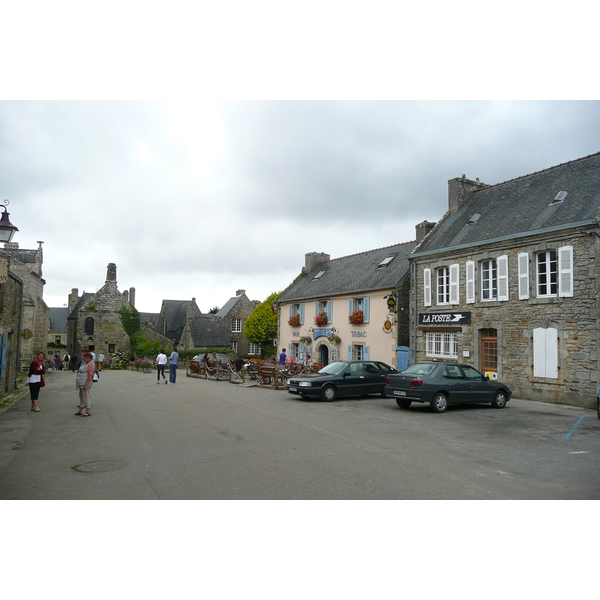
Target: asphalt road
x,y
213,440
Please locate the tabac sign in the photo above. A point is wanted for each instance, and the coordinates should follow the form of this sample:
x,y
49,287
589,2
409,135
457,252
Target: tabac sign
x,y
457,318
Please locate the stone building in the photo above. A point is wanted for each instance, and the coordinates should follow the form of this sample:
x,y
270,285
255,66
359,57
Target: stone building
x,y
354,307
236,310
508,281
57,334
26,266
11,300
172,318
94,320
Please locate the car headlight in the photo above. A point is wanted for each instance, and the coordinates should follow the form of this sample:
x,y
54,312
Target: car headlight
x,y
304,384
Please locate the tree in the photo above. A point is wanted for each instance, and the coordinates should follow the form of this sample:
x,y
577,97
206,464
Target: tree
x,y
262,321
141,346
214,310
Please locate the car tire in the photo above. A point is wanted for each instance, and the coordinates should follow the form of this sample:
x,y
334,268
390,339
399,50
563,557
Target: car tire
x,y
329,393
499,400
403,403
439,404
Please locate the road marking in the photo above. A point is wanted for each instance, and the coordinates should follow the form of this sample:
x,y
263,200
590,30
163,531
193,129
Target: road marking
x,y
580,452
573,428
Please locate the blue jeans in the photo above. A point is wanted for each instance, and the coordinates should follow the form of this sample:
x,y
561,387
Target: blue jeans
x,y
172,373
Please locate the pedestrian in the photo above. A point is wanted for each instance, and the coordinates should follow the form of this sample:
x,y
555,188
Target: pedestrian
x,y
73,363
66,361
173,359
84,383
161,361
100,361
57,363
35,379
282,357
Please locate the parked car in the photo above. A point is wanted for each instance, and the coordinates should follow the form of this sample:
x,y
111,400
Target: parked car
x,y
442,384
342,378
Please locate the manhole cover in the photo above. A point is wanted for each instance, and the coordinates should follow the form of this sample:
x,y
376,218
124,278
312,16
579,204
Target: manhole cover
x,y
100,466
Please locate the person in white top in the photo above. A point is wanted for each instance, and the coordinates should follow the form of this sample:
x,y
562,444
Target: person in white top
x,y
161,361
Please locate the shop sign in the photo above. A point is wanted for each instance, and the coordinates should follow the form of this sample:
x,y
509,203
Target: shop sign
x,y
455,318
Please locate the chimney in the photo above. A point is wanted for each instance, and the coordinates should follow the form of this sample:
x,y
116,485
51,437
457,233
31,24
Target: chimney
x,y
111,272
459,188
73,298
240,292
422,229
132,296
312,259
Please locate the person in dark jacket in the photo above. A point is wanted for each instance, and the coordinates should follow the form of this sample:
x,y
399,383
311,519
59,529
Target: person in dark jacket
x,y
35,379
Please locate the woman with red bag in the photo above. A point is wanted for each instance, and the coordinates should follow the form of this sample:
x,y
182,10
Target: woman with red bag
x,y
35,379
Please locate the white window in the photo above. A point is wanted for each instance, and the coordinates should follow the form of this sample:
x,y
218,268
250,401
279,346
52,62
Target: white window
x,y
359,352
253,349
360,304
324,306
234,346
297,309
545,353
442,278
489,280
441,345
236,325
547,273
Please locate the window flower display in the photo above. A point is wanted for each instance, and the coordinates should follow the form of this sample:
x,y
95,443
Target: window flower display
x,y
294,321
357,317
321,319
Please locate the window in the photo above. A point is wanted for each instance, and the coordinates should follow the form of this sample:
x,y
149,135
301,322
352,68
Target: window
x,y
319,274
297,309
386,261
57,339
111,348
254,349
295,352
447,285
545,353
88,327
547,274
358,352
489,280
234,346
359,304
324,306
441,344
236,325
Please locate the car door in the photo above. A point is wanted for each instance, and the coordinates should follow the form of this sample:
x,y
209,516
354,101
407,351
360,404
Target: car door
x,y
353,380
479,388
456,383
374,378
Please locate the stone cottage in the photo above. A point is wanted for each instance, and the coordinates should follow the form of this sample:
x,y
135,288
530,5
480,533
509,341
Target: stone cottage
x,y
508,281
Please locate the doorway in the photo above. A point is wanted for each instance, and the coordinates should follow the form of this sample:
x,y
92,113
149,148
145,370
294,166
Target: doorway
x,y
489,352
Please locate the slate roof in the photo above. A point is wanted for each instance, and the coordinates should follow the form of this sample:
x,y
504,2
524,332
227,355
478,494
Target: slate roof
x,y
209,331
174,317
521,207
25,256
58,320
228,306
352,274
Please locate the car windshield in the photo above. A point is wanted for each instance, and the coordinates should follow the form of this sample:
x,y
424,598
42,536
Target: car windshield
x,y
420,369
334,368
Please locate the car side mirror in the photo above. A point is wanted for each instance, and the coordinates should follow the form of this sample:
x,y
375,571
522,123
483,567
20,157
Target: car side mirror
x,y
486,378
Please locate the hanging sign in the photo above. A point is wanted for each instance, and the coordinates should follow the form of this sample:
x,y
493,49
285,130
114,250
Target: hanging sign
x,y
457,318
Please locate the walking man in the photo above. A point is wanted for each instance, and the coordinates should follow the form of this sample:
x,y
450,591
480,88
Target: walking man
x,y
173,359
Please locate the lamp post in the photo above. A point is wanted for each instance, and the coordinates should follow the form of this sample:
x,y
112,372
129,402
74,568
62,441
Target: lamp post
x,y
7,229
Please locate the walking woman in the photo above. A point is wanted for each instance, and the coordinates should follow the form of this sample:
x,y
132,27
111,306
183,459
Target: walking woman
x,y
84,384
35,379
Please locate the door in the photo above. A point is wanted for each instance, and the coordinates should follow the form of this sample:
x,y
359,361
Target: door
x,y
489,353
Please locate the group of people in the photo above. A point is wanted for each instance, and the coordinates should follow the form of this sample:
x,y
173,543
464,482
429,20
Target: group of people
x,y
83,382
161,363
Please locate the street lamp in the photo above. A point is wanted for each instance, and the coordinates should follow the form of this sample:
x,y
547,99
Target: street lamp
x,y
7,229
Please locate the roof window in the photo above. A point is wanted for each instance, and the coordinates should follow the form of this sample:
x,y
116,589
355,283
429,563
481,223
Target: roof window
x,y
319,274
474,218
559,198
386,261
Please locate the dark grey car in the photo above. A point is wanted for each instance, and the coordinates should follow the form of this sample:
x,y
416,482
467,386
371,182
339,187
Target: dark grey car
x,y
442,384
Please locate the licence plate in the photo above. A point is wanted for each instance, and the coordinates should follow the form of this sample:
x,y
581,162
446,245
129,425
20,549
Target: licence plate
x,y
293,389
399,393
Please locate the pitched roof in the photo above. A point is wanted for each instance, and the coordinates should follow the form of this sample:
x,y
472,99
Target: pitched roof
x,y
58,319
209,331
174,317
523,206
352,274
228,306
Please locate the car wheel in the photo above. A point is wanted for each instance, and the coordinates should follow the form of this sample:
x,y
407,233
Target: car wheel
x,y
439,403
329,393
499,400
403,403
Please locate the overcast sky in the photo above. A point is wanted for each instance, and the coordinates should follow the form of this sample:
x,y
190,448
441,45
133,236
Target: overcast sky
x,y
202,198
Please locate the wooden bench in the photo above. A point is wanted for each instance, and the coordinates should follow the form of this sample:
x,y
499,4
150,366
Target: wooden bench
x,y
271,375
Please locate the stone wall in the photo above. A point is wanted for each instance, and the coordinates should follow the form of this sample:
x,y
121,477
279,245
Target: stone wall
x,y
576,319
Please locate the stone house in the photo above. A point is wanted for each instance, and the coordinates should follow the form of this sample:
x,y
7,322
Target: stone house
x,y
236,310
57,333
26,266
508,281
11,300
94,320
354,307
172,318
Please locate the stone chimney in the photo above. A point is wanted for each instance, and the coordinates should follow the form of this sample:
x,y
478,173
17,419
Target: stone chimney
x,y
422,229
459,188
240,292
132,296
312,259
111,272
73,298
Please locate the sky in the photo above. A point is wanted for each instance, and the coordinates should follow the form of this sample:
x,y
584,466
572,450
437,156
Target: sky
x,y
203,198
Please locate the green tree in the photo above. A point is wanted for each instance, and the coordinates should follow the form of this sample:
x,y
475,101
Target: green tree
x,y
130,319
262,322
141,346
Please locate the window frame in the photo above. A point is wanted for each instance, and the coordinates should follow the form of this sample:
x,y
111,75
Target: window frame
x,y
441,340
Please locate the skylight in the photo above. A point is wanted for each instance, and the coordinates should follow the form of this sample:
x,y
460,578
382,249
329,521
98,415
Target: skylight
x,y
319,274
386,261
559,198
474,218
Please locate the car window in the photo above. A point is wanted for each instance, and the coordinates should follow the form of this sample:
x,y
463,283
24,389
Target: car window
x,y
472,374
421,369
372,368
356,368
334,368
452,372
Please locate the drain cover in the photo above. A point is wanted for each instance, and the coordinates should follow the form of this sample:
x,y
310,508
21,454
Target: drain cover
x,y
100,466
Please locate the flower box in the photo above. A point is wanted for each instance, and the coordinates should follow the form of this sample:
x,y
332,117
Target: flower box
x,y
321,319
356,318
294,321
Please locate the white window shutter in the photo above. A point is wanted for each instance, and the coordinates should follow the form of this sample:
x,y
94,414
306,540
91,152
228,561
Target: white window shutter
x,y
502,266
545,353
427,287
454,279
302,314
470,279
565,271
523,264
